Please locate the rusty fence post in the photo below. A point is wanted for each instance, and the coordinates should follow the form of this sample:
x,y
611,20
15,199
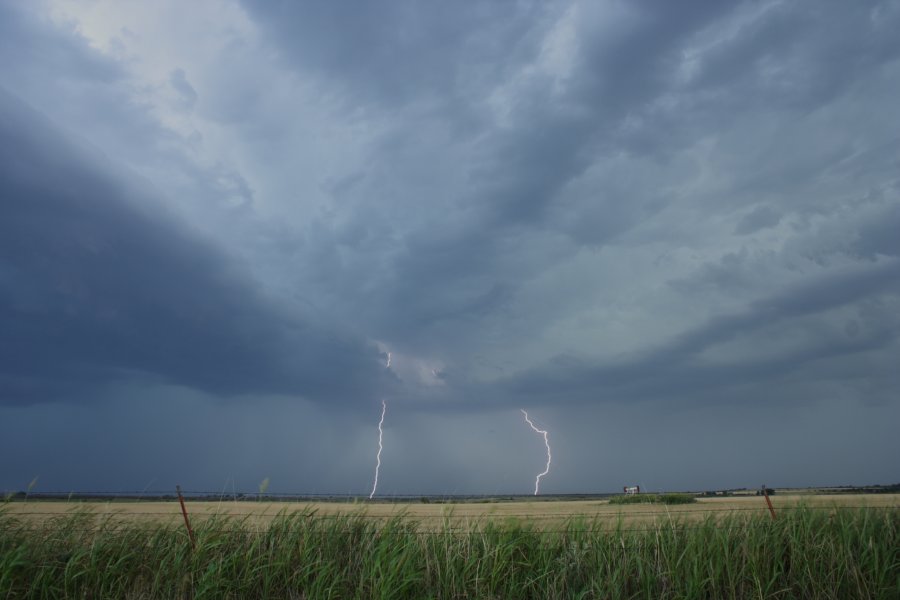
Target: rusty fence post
x,y
768,501
187,522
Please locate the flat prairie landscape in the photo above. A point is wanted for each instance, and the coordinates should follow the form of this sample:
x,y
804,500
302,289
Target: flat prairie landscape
x,y
537,513
818,546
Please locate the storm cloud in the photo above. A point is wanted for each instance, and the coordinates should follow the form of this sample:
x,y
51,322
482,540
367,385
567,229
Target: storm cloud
x,y
101,286
626,217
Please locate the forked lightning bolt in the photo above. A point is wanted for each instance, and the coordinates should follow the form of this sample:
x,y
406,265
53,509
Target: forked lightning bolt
x,y
380,434
537,481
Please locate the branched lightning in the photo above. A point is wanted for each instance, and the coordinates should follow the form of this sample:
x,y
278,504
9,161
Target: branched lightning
x,y
537,481
380,435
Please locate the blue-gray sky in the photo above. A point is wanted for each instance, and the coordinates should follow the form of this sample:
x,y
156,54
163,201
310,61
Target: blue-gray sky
x,y
667,229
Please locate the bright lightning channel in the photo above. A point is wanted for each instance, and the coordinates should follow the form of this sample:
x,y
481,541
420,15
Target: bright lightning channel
x,y
537,481
380,436
380,446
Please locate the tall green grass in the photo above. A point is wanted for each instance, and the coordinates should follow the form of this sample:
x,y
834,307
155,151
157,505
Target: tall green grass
x,y
806,553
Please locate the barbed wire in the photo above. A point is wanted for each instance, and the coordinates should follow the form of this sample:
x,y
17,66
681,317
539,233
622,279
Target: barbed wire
x,y
628,511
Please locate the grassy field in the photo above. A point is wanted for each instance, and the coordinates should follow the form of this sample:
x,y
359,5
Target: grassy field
x,y
538,513
818,547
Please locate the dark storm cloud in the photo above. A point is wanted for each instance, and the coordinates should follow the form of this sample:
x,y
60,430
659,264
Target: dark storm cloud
x,y
520,171
514,174
403,51
53,68
759,218
799,54
645,81
879,236
97,285
678,367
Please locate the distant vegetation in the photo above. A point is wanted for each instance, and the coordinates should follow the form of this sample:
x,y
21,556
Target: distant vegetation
x,y
805,553
653,498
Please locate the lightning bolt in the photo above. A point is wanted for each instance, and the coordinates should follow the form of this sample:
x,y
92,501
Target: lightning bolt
x,y
380,446
388,365
537,481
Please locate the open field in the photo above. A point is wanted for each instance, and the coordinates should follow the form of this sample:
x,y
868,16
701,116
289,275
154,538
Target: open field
x,y
538,513
823,547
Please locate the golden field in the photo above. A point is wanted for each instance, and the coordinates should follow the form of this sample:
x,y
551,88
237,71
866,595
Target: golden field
x,y
540,513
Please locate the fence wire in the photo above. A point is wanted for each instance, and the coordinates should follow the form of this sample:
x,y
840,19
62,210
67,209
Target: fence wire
x,y
360,514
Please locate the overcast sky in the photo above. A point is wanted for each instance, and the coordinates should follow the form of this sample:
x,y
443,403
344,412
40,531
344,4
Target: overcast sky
x,y
668,230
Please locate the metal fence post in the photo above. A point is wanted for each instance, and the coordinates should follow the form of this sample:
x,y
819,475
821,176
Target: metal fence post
x,y
768,501
187,522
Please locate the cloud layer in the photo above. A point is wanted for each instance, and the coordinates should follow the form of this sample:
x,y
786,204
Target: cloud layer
x,y
590,209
